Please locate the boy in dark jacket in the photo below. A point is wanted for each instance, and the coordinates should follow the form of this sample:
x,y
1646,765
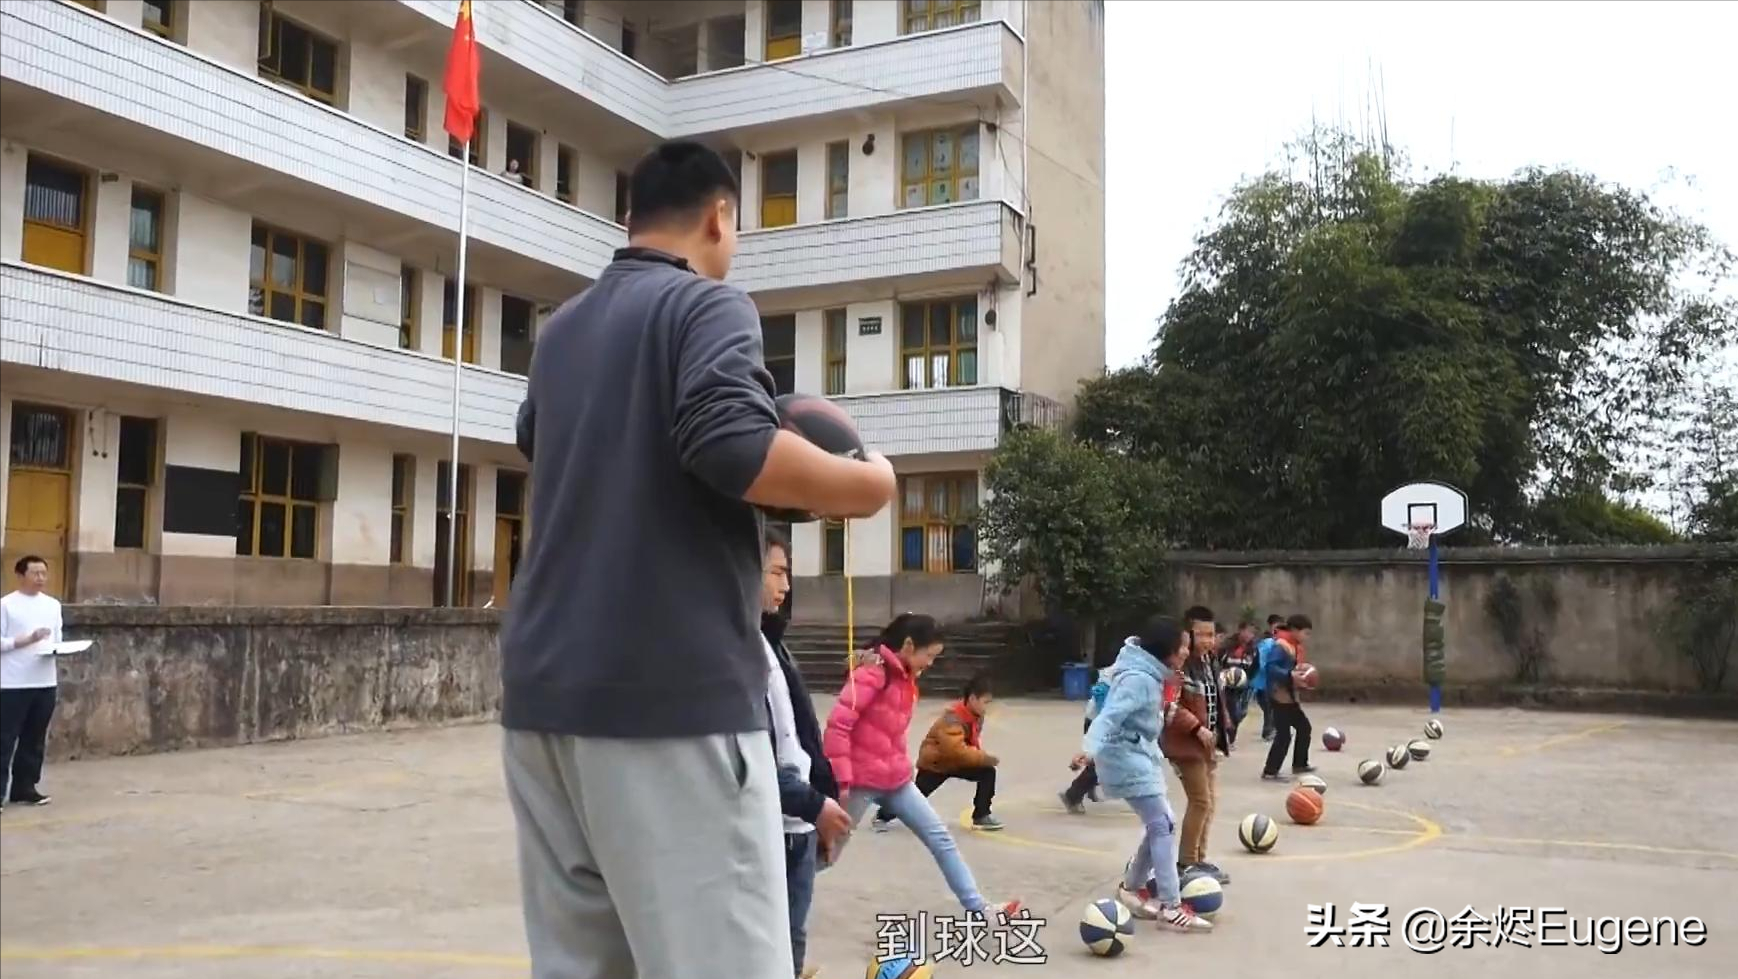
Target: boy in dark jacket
x,y
1200,706
808,793
1238,650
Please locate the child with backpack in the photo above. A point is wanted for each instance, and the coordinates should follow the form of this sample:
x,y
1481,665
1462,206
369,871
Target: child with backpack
x,y
865,744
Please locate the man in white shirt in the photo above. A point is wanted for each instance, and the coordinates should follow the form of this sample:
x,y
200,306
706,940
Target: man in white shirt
x,y
808,795
29,627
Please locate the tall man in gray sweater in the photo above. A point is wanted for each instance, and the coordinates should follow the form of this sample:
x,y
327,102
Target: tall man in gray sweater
x,y
637,759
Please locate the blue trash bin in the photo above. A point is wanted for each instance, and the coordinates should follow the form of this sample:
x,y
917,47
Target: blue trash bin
x,y
1076,681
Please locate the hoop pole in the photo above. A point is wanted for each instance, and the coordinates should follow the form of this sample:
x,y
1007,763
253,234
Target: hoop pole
x,y
1435,689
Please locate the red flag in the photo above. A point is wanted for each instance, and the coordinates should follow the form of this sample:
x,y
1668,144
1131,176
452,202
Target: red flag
x,y
463,102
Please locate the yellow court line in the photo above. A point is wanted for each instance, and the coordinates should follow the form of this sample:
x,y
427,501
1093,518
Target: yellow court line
x,y
1598,845
33,953
1426,832
1124,817
278,794
1510,751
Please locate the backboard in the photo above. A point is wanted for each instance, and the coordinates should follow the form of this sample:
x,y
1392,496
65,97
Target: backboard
x,y
1436,503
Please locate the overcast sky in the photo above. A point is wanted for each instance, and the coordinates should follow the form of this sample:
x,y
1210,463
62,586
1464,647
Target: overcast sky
x,y
1201,94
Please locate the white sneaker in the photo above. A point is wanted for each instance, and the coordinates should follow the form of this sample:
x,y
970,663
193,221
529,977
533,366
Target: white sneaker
x,y
1137,905
1180,918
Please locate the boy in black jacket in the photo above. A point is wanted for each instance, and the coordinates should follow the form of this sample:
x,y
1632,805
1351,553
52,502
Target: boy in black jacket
x,y
808,793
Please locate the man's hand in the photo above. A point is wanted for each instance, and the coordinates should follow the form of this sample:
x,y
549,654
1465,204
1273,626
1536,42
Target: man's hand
x,y
832,824
882,475
991,760
32,638
1080,761
1205,735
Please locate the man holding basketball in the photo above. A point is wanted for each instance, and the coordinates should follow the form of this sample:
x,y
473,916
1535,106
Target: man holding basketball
x,y
634,680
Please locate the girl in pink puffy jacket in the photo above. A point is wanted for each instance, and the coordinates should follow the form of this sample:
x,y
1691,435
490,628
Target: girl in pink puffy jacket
x,y
866,745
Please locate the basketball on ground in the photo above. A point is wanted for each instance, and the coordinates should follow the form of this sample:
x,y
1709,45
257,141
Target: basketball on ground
x,y
1304,807
1419,750
1370,771
1257,833
1314,783
1202,894
1398,756
898,967
822,423
1105,927
1433,729
1332,739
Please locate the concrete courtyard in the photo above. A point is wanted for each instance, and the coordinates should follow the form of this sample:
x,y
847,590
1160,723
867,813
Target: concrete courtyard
x,y
390,856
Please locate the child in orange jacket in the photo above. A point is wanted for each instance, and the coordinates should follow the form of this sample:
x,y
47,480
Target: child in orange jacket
x,y
953,748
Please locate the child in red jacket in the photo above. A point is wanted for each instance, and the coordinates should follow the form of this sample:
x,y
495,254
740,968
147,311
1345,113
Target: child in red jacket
x,y
865,744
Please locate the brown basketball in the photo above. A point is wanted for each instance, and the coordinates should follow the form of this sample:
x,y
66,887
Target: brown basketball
x,y
822,422
1303,806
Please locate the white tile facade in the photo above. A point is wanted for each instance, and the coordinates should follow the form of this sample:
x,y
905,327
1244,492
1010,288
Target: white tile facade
x,y
85,328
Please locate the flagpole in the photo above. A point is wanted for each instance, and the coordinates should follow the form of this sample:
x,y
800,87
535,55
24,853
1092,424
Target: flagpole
x,y
453,568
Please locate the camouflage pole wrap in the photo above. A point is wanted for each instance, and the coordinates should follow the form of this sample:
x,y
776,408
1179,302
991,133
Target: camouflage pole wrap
x,y
1435,663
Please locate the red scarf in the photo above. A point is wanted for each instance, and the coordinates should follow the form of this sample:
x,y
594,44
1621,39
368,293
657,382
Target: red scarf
x,y
970,719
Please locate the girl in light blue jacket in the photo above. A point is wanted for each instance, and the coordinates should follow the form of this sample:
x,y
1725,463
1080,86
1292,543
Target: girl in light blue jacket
x,y
1123,745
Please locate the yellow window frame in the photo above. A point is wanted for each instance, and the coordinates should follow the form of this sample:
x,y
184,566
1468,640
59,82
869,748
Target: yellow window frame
x,y
834,324
788,45
929,15
270,30
952,177
409,306
416,119
297,291
40,235
449,326
403,478
151,257
778,209
255,492
936,505
958,323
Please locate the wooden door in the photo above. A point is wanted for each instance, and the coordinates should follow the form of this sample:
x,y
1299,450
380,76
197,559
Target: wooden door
x,y
39,490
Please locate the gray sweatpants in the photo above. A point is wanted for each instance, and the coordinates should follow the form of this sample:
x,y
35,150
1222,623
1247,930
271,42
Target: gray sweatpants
x,y
650,859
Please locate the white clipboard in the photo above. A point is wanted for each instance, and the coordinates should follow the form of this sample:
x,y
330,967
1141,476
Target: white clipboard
x,y
64,648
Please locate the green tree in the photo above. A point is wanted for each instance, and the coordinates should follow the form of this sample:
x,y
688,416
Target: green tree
x,y
1085,527
1344,331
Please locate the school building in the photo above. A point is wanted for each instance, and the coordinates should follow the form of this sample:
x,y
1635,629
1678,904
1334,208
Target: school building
x,y
228,239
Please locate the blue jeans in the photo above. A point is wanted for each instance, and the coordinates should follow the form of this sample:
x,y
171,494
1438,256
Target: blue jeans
x,y
1156,857
800,882
909,806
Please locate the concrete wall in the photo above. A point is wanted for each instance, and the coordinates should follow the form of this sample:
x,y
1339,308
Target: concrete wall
x,y
1062,337
1367,607
160,679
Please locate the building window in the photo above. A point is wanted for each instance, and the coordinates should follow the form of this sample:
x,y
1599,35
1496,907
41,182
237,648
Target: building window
x,y
784,29
833,547
297,57
479,140
624,203
137,464
279,510
778,189
415,108
522,152
450,319
56,214
838,180
159,18
145,241
566,174
941,166
509,531
938,343
403,485
834,344
778,337
409,307
287,277
517,316
841,32
929,15
937,523
457,572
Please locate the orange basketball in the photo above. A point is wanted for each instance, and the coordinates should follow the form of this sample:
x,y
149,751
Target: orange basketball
x,y
1303,806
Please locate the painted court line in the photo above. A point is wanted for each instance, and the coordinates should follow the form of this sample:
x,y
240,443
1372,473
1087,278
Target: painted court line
x,y
32,953
1510,751
276,794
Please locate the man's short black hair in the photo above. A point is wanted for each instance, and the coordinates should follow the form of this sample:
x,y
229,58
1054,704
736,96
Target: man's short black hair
x,y
1274,620
1198,613
774,537
26,561
676,181
977,686
1298,621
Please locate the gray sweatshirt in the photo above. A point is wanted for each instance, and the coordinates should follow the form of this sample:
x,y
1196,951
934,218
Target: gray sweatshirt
x,y
636,611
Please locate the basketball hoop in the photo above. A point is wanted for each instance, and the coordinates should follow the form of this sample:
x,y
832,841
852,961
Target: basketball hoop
x,y
1418,535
